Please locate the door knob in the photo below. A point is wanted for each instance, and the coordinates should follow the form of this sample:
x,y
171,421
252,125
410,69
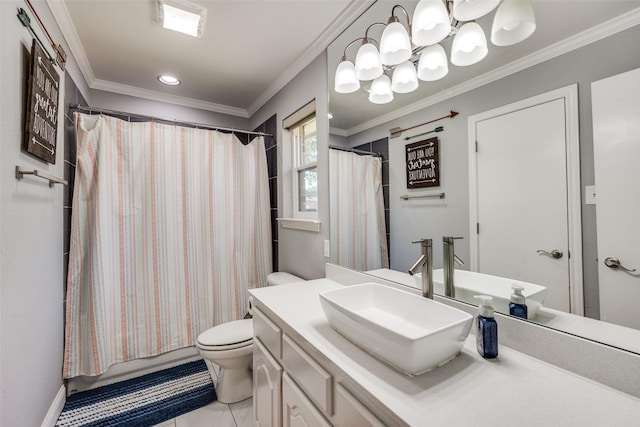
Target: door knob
x,y
555,253
612,262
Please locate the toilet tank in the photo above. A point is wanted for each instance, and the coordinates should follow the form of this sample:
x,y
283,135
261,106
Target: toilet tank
x,y
282,278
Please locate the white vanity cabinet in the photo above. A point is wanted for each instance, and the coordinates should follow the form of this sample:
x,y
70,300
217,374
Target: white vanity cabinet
x,y
291,388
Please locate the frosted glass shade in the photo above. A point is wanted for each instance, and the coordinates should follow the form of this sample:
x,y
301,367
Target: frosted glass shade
x,y
433,64
468,10
395,46
469,45
345,79
404,79
381,92
430,23
514,22
368,65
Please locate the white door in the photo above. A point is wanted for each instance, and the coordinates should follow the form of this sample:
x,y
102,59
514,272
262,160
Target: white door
x,y
616,136
522,200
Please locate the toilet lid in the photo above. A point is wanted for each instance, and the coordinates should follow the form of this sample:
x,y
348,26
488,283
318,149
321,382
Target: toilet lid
x,y
235,332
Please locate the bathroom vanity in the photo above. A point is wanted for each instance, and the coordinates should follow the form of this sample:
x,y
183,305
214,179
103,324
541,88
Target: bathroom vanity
x,y
306,373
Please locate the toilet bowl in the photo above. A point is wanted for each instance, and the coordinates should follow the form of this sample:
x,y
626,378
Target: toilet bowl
x,y
230,346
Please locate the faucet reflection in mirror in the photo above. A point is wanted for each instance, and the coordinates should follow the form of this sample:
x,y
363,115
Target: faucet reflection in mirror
x,y
433,21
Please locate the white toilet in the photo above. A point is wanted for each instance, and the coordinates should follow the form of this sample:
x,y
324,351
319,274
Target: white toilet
x,y
230,346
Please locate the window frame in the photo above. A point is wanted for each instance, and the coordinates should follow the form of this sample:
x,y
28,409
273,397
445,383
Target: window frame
x,y
297,142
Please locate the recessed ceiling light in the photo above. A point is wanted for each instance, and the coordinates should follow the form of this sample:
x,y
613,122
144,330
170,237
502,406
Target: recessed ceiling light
x,y
330,116
182,16
169,80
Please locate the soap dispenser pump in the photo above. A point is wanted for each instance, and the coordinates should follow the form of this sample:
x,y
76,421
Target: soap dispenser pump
x,y
517,306
486,328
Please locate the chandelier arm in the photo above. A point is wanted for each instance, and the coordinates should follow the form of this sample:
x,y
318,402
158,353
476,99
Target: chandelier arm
x,y
366,33
405,14
344,54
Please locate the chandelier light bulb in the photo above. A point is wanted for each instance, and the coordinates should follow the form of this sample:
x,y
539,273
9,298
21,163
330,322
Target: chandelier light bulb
x,y
433,64
395,46
381,92
430,23
404,79
468,10
513,23
469,45
345,79
368,65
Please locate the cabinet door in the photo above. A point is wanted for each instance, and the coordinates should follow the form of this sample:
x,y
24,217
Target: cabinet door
x,y
298,411
267,386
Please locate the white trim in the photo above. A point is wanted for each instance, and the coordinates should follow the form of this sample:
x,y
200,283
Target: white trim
x,y
164,97
300,224
569,44
346,18
56,408
570,96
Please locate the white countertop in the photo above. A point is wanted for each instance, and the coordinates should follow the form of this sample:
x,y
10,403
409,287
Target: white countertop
x,y
512,390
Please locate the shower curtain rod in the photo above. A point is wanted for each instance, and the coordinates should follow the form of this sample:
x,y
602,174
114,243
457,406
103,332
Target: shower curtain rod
x,y
152,118
353,150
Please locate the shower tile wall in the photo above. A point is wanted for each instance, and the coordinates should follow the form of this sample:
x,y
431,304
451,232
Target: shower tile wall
x,y
72,97
271,145
381,146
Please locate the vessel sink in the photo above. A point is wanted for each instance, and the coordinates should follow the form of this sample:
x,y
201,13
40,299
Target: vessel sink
x,y
412,333
469,283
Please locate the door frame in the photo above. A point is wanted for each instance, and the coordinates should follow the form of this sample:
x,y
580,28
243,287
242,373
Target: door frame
x,y
574,216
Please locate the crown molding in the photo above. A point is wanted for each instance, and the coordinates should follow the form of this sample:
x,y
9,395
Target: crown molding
x,y
338,132
65,23
599,32
164,97
346,18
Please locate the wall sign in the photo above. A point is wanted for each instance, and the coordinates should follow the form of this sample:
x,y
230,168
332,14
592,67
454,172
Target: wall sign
x,y
42,107
423,165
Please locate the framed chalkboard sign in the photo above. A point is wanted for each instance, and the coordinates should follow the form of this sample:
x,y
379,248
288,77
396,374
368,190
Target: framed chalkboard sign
x,y
423,164
42,107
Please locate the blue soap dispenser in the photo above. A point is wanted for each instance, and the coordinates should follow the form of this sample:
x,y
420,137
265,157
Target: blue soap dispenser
x,y
486,329
517,306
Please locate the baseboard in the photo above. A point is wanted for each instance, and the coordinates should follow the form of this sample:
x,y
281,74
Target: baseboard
x,y
56,408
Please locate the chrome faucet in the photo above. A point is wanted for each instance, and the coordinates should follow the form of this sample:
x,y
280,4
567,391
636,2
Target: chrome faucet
x,y
426,263
449,258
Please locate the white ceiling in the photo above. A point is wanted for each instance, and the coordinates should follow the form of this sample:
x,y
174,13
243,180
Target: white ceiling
x,y
247,52
251,48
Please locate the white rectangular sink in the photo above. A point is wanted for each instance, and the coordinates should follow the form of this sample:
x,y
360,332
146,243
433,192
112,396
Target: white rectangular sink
x,y
412,333
469,283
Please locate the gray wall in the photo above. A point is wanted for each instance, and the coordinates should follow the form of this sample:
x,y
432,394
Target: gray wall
x,y
610,56
302,252
31,243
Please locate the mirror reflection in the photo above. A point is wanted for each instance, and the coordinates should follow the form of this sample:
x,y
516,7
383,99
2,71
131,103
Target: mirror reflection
x,y
524,208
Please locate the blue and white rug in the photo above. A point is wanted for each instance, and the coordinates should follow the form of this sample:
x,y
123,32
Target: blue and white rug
x,y
143,401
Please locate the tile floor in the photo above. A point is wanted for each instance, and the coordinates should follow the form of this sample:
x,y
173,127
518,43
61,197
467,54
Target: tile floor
x,y
216,414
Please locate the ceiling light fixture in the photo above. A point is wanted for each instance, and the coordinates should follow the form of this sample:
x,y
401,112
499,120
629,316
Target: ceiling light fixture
x,y
421,57
169,80
182,16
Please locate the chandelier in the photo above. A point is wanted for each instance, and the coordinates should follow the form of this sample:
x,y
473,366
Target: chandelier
x,y
421,56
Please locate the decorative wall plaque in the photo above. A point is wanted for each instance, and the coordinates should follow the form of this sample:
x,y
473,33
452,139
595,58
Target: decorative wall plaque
x,y
42,107
423,166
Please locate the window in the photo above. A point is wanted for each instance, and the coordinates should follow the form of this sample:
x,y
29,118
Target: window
x,y
305,169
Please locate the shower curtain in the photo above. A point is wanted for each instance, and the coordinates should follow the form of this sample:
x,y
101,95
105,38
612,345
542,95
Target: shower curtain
x,y
356,211
170,228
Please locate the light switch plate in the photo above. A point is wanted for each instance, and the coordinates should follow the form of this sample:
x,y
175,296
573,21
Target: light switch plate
x,y
327,249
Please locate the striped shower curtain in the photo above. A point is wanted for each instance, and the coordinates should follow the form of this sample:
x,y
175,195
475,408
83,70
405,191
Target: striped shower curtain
x,y
356,211
170,228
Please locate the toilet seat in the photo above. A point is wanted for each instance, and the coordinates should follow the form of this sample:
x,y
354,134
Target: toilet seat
x,y
227,336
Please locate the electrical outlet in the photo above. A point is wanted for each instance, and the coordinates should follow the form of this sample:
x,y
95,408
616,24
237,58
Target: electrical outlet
x,y
327,249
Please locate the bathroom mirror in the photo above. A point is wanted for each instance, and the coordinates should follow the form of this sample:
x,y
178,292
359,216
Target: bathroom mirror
x,y
561,52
